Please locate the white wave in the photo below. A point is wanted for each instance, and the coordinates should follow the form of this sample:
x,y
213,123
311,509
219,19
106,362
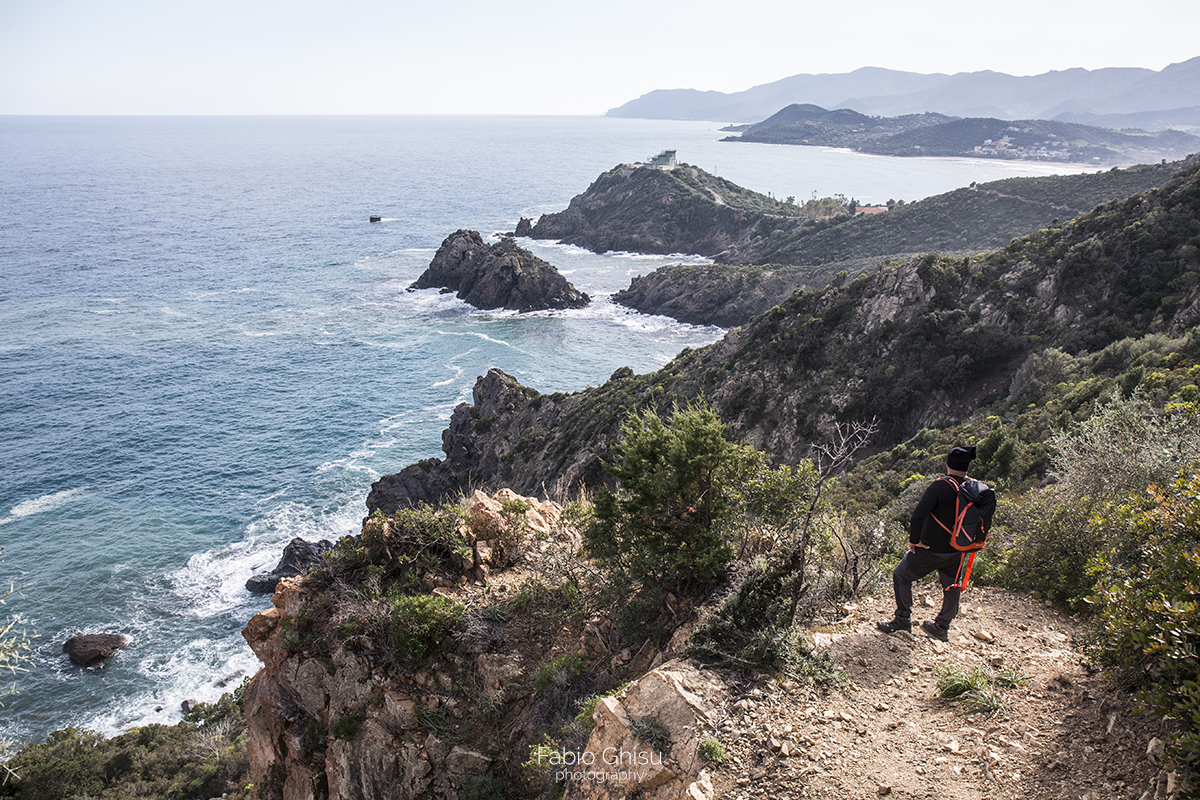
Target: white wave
x,y
202,669
38,505
482,336
458,373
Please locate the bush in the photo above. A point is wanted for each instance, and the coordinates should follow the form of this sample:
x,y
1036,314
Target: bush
x,y
561,670
663,531
711,751
419,622
748,630
1147,629
186,761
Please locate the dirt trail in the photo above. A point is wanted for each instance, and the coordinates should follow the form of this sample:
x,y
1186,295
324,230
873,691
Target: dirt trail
x,y
1062,734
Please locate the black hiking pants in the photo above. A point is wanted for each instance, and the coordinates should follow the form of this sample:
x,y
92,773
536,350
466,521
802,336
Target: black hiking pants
x,y
917,564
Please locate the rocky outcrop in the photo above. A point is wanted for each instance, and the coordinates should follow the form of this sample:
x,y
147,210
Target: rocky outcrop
x,y
93,649
510,436
335,715
338,729
498,276
676,701
297,557
723,296
684,210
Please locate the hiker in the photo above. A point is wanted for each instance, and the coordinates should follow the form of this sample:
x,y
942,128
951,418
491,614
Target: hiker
x,y
930,548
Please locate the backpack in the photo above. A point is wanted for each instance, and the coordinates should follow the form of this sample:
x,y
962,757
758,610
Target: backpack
x,y
975,500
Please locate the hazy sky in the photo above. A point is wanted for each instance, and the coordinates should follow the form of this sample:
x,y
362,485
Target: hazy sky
x,y
531,56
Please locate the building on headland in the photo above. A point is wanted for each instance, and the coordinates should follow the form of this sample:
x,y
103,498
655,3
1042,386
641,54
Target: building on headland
x,y
860,210
664,160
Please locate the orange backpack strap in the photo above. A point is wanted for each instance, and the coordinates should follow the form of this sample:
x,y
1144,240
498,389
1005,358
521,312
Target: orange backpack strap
x,y
964,572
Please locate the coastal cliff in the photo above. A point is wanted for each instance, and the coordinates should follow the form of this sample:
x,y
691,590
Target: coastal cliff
x,y
924,342
681,210
502,275
400,670
727,296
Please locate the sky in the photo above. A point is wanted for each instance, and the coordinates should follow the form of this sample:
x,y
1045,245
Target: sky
x,y
579,57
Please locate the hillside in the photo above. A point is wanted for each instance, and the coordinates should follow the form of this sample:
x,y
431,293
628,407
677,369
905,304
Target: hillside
x,y
967,220
644,210
975,137
930,341
687,210
981,217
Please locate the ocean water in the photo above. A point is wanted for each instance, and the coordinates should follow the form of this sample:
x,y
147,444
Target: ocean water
x,y
206,350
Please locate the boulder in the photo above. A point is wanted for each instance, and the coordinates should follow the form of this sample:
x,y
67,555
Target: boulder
x,y
93,649
524,227
677,699
298,556
502,275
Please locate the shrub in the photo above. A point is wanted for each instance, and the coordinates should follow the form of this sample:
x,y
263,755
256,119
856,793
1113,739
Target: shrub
x,y
346,726
749,629
1147,629
560,670
419,622
483,787
652,732
710,750
663,530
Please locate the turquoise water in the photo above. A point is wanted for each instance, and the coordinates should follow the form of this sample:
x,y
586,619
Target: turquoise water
x,y
206,349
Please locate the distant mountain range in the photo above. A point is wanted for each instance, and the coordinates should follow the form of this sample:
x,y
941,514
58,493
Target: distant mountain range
x,y
1121,97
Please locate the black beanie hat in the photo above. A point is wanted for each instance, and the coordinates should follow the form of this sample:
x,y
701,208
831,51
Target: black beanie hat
x,y
960,458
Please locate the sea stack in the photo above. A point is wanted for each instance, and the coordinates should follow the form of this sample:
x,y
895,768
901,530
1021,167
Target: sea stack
x,y
502,275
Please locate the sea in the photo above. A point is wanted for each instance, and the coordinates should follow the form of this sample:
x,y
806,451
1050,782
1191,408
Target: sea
x,y
206,349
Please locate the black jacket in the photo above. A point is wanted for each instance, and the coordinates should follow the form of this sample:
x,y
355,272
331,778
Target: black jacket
x,y
939,503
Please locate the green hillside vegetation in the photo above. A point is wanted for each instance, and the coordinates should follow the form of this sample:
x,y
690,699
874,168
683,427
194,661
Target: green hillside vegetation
x,y
202,757
925,340
982,217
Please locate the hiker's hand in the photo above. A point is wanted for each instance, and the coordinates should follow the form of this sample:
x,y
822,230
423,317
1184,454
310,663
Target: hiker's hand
x,y
912,548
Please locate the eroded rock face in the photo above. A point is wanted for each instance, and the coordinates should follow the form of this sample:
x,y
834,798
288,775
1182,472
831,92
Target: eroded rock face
x,y
93,649
677,699
498,276
301,748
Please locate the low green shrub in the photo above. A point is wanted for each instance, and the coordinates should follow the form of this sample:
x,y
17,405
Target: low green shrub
x,y
420,622
711,751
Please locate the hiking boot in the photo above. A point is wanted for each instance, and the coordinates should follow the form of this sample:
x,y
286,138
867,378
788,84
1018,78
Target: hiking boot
x,y
935,630
894,625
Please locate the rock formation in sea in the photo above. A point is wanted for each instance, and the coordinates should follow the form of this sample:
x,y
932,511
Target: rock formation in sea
x,y
502,275
93,649
298,556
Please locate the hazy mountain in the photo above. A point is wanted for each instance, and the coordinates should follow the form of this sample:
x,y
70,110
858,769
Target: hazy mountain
x,y
883,92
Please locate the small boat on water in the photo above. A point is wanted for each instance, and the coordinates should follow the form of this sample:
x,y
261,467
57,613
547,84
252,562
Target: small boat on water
x,y
376,218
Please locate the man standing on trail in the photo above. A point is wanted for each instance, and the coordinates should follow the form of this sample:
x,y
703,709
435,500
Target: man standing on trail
x,y
929,546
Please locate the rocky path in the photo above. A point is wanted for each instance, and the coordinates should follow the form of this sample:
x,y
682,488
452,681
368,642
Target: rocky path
x,y
1062,733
